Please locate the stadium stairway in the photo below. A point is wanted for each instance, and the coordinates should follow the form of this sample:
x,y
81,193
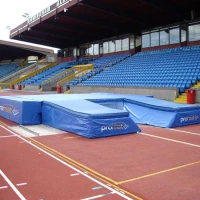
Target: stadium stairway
x,y
183,97
44,66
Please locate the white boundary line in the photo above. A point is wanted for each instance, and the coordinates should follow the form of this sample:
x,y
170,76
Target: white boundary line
x,y
177,141
12,186
188,132
3,187
66,164
7,136
98,196
21,184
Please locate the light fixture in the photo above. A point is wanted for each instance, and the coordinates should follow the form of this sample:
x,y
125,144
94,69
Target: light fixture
x,y
65,9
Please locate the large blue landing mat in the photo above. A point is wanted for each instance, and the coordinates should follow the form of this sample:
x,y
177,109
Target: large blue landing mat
x,y
97,114
87,119
21,111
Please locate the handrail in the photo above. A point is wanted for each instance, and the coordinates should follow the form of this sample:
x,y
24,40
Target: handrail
x,y
33,73
4,84
60,74
18,72
81,69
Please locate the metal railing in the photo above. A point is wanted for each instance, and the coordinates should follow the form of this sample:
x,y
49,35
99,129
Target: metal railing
x,y
80,69
34,73
59,76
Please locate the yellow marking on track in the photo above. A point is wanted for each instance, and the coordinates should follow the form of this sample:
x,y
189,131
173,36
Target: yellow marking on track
x,y
83,168
156,173
2,123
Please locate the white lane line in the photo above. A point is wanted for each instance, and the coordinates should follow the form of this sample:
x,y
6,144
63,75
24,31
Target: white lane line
x,y
177,141
3,187
96,188
12,186
98,196
77,174
66,164
188,132
7,136
21,184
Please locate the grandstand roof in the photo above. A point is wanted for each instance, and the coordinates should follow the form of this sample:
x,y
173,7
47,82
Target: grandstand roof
x,y
12,50
73,22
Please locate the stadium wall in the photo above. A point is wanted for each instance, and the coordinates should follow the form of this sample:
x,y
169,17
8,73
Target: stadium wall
x,y
66,59
169,94
194,43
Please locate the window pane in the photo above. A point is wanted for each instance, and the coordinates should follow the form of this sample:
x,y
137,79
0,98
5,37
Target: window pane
x,y
146,40
105,47
125,44
74,52
174,36
112,46
183,35
96,49
154,39
90,49
132,42
164,37
138,41
118,45
194,32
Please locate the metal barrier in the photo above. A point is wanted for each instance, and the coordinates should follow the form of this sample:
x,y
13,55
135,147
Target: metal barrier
x,y
79,70
34,73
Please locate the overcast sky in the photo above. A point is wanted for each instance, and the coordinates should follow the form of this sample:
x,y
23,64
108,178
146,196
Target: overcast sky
x,y
11,12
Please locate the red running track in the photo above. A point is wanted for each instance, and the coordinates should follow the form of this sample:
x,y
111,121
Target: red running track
x,y
43,176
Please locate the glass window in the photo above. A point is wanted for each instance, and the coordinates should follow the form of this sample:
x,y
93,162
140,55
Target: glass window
x,y
145,40
101,48
154,39
174,36
183,35
112,46
74,52
194,32
105,47
137,41
90,49
132,41
125,44
96,49
164,37
118,45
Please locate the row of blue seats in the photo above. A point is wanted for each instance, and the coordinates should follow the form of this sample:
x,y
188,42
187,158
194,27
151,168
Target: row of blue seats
x,y
136,71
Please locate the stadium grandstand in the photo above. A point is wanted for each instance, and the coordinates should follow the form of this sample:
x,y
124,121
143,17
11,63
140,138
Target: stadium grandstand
x,y
127,69
119,29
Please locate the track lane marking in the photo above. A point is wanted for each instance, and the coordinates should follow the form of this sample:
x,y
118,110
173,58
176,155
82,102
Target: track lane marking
x,y
68,165
168,139
188,132
77,174
93,175
3,187
160,172
7,136
99,178
72,161
21,184
12,186
98,196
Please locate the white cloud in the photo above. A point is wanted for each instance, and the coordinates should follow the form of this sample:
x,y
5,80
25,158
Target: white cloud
x,y
11,12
